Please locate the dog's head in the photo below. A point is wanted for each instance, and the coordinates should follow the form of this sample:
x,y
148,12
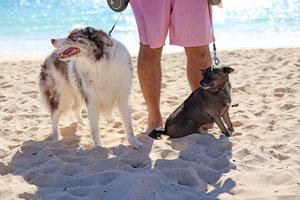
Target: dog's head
x,y
82,42
215,78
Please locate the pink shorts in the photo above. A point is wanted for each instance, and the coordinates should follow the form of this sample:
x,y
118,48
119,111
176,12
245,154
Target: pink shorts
x,y
187,22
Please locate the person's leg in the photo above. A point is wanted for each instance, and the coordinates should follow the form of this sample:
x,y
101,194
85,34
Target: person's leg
x,y
153,19
198,58
149,73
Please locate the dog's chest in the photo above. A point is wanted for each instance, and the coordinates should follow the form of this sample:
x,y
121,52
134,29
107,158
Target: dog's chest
x,y
225,96
98,84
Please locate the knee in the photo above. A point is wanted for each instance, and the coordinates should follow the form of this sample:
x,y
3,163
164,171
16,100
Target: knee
x,y
198,53
149,54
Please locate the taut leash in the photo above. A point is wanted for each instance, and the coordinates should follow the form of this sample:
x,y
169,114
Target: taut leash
x,y
112,28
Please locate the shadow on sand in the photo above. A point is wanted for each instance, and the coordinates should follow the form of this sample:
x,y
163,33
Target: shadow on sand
x,y
186,168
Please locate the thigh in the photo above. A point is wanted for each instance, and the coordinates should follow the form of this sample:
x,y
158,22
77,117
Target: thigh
x,y
153,19
190,23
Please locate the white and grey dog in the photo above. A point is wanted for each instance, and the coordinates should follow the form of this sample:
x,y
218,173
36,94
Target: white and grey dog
x,y
87,67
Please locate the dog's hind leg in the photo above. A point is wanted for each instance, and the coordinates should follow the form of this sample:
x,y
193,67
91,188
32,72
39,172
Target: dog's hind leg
x,y
54,122
125,113
93,115
184,128
77,108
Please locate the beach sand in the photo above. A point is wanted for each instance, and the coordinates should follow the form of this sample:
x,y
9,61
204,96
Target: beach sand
x,y
260,161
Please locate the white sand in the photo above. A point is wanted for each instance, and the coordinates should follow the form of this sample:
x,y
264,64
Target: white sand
x,y
261,161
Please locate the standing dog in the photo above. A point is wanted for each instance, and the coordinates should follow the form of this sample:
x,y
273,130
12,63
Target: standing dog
x,y
87,67
208,104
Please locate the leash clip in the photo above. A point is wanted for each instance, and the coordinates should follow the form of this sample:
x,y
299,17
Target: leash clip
x,y
216,59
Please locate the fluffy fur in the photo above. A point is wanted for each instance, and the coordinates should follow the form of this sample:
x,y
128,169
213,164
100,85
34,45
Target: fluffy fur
x,y
87,68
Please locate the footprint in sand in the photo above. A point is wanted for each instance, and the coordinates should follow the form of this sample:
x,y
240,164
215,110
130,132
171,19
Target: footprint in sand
x,y
279,92
279,156
169,154
186,177
5,85
287,106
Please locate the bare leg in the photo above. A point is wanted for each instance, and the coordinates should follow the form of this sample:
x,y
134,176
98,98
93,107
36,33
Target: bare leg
x,y
198,58
149,73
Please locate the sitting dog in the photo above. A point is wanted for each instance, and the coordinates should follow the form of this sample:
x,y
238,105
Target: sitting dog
x,y
87,68
209,103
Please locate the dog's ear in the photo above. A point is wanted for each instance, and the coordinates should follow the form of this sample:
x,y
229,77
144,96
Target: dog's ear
x,y
89,31
101,38
227,70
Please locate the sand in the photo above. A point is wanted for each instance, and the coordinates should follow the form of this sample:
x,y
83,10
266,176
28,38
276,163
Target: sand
x,y
261,161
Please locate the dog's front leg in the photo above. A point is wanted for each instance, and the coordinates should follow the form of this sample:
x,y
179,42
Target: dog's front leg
x,y
125,113
54,122
221,125
93,115
227,121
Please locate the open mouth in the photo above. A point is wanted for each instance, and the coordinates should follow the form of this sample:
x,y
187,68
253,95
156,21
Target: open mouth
x,y
71,51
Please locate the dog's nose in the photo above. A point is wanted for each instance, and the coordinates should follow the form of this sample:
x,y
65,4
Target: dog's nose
x,y
52,41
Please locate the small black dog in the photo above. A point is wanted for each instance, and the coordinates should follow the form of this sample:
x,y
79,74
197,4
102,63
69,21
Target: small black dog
x,y
209,103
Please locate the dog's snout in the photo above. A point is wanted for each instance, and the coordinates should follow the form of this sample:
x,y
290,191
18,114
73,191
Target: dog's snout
x,y
55,43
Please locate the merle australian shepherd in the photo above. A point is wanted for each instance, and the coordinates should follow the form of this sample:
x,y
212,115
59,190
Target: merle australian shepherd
x,y
87,68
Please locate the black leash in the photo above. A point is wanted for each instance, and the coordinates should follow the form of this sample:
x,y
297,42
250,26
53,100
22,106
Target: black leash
x,y
215,58
111,30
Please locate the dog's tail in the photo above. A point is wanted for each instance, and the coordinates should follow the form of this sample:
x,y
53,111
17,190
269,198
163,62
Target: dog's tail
x,y
156,133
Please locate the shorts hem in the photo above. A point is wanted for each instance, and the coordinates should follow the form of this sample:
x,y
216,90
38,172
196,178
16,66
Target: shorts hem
x,y
190,44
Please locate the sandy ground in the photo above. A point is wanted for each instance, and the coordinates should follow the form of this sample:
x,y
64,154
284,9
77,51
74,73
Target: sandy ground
x,y
261,161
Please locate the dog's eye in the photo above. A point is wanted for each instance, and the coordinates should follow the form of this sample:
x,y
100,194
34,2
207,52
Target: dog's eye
x,y
74,36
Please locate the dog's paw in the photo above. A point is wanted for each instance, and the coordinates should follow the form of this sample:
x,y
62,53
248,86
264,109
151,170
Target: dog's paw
x,y
137,145
228,133
134,143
